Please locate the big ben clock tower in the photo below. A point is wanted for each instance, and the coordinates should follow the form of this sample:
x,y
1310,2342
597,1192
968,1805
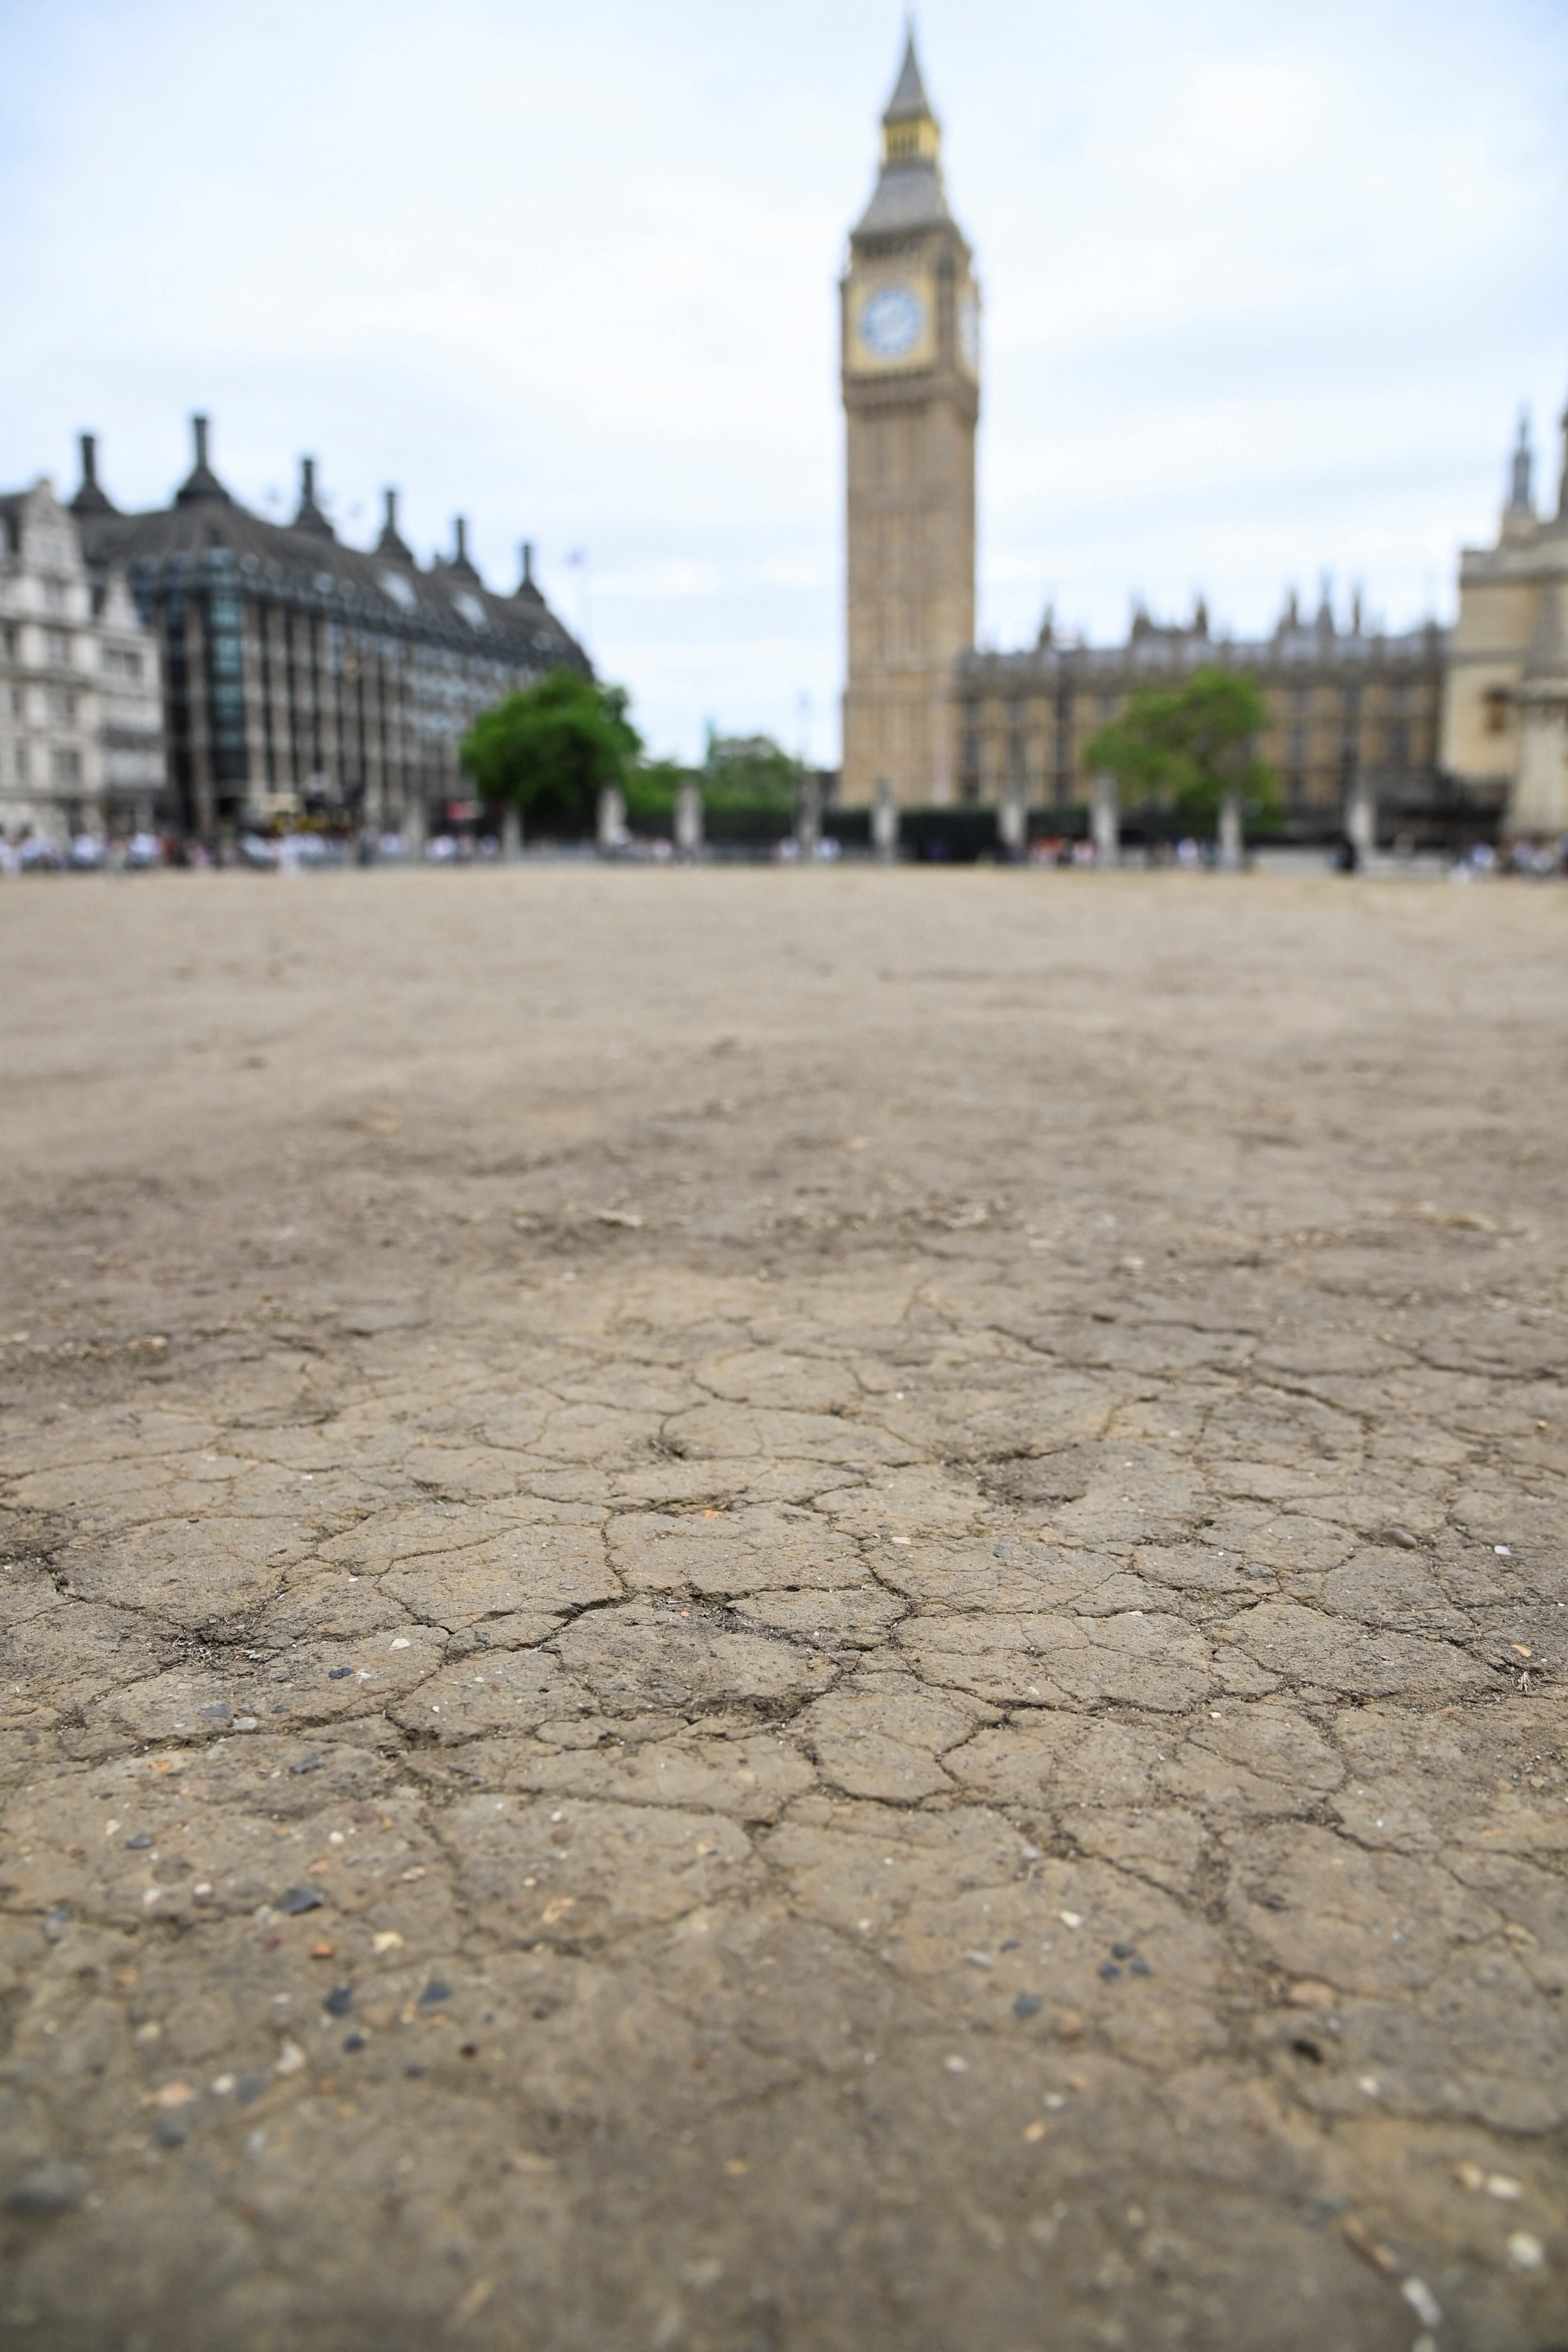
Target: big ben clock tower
x,y
910,347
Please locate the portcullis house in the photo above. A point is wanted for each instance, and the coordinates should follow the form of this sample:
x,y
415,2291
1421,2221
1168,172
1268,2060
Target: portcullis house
x,y
302,674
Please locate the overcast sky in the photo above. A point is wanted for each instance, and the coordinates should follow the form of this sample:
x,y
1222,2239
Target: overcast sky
x,y
1264,287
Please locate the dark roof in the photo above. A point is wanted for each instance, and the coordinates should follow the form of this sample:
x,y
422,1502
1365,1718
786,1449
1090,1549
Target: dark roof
x,y
207,534
907,196
908,101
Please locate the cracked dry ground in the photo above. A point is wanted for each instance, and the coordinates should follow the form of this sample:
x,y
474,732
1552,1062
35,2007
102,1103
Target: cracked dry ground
x,y
751,1611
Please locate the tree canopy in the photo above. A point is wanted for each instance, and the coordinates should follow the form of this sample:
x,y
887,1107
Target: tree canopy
x,y
744,775
551,748
1189,747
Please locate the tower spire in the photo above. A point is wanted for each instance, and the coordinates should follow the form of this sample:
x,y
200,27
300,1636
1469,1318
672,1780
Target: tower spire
x,y
910,133
1521,497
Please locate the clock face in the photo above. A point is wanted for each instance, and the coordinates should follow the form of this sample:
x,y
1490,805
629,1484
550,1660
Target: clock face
x,y
891,322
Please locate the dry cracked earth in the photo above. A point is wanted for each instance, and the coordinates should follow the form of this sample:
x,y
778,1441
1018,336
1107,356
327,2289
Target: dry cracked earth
x,y
780,1612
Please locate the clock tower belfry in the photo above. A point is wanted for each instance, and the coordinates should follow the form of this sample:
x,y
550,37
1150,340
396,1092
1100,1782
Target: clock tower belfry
x,y
910,347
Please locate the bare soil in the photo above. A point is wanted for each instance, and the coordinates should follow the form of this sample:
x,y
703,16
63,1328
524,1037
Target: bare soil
x,y
764,1611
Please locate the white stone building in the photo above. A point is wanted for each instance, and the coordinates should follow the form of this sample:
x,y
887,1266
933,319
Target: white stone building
x,y
81,722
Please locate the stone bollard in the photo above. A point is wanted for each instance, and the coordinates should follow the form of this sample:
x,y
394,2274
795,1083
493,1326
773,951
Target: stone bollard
x,y
688,820
1012,823
1230,857
1360,824
511,831
1105,822
612,820
885,822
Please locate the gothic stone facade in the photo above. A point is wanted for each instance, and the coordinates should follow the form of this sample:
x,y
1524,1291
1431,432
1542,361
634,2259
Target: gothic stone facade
x,y
80,710
1505,709
302,674
1351,710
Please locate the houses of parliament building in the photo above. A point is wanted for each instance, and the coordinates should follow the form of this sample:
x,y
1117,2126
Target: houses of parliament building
x,y
929,718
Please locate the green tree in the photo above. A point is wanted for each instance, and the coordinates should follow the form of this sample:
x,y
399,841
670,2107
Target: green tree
x,y
749,771
650,789
1188,748
551,748
740,776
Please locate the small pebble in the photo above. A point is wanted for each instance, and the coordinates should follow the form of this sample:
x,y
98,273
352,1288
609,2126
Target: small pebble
x,y
170,2132
139,1843
251,2086
306,1764
1070,2024
53,2187
1139,1968
353,2042
1311,1993
340,2001
296,1899
956,2065
57,1921
1028,2004
1401,1537
1526,2252
1423,2301
337,1674
414,2068
1122,1951
291,2059
1110,1971
1503,2185
434,1993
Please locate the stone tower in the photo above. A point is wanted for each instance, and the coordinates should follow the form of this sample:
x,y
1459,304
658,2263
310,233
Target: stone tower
x,y
910,345
1505,692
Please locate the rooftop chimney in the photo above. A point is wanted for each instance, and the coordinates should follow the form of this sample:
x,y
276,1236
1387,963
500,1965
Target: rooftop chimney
x,y
527,566
201,482
310,517
460,561
90,498
390,542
